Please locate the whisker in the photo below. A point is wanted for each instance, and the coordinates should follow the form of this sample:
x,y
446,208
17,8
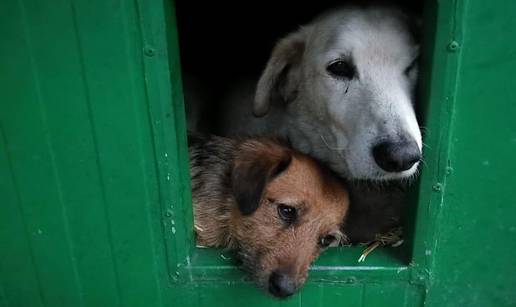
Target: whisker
x,y
327,145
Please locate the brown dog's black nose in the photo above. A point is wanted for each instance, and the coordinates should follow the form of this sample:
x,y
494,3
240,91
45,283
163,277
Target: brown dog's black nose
x,y
396,156
281,285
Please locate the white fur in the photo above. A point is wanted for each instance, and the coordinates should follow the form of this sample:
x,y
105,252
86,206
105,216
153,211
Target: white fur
x,y
336,120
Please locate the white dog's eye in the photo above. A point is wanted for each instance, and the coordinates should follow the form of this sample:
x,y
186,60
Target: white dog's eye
x,y
342,69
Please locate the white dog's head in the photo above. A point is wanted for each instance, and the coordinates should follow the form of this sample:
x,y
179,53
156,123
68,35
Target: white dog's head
x,y
346,83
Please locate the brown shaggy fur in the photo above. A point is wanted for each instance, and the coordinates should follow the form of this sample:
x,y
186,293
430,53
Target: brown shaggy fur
x,y
237,188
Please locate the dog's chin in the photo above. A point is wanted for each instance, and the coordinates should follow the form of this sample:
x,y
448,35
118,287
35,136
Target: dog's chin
x,y
407,175
377,174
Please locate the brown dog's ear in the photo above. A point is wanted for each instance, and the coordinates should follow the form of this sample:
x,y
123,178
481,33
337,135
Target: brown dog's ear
x,y
256,163
280,79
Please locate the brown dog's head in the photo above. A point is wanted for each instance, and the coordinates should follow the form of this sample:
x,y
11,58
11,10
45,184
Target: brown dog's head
x,y
289,210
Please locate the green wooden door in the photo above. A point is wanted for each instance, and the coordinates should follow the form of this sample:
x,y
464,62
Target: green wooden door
x,y
94,193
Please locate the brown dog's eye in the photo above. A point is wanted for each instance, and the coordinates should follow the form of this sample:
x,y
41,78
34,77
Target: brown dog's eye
x,y
342,69
329,240
287,213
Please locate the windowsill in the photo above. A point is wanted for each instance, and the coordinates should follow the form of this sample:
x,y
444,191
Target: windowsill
x,y
335,265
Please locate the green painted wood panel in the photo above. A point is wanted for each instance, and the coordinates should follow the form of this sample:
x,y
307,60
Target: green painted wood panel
x,y
95,203
81,222
475,259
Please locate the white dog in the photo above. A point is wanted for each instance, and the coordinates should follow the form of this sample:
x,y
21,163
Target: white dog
x,y
341,89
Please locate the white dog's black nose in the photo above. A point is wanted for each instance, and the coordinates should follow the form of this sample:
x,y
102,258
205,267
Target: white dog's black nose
x,y
281,285
396,156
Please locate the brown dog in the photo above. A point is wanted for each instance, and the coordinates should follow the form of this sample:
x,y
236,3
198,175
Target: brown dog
x,y
277,207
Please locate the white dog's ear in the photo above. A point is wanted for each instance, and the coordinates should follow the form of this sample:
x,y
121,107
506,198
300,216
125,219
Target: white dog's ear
x,y
280,79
